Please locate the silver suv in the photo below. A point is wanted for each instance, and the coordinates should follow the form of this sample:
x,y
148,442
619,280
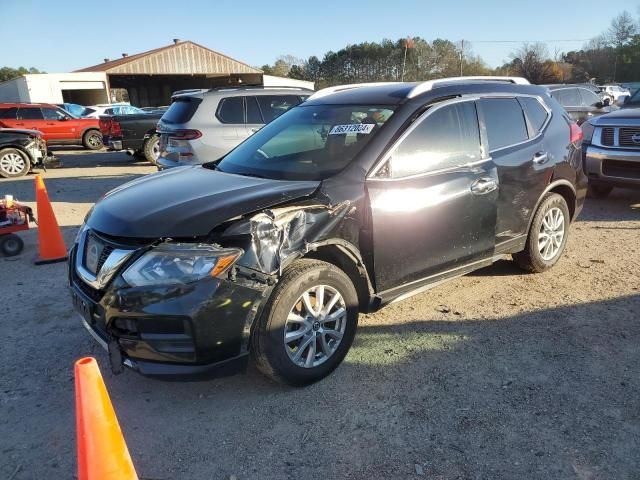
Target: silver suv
x,y
204,125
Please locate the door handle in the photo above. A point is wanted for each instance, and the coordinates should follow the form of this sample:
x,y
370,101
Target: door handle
x,y
483,185
541,158
254,129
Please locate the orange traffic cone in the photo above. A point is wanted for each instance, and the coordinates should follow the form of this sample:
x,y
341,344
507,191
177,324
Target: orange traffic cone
x,y
52,247
102,451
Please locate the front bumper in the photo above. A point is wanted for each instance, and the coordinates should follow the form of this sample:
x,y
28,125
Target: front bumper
x,y
195,330
615,167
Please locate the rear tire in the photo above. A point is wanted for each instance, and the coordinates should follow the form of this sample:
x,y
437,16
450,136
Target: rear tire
x,y
152,149
599,191
292,344
14,163
92,140
11,245
547,235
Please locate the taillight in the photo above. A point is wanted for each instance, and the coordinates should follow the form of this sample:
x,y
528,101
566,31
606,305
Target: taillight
x,y
109,127
575,133
185,134
116,131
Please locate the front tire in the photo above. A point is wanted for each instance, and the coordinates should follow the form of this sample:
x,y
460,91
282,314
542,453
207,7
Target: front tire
x,y
307,325
152,149
92,140
13,163
547,235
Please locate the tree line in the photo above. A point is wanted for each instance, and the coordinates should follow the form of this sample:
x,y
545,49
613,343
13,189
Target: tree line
x,y
8,73
613,56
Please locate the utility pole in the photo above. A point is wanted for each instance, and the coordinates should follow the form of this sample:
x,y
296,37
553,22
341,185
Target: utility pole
x,y
461,55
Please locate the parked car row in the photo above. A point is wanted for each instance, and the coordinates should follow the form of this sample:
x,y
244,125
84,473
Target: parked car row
x,y
360,196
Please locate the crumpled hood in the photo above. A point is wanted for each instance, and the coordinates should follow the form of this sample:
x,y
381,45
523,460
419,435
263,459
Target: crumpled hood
x,y
187,202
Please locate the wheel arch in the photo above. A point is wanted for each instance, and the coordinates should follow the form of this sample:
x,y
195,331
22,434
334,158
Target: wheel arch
x,y
347,258
563,188
22,150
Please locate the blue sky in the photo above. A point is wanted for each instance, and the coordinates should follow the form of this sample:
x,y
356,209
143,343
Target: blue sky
x,y
60,36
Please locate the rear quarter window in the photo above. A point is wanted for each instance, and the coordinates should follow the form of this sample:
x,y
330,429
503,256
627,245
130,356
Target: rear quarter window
x,y
231,110
9,113
535,112
504,121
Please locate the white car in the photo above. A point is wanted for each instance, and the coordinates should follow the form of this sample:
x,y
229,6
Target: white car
x,y
94,111
616,92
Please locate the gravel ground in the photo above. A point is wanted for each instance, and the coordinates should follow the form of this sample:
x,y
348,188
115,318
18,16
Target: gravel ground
x,y
496,375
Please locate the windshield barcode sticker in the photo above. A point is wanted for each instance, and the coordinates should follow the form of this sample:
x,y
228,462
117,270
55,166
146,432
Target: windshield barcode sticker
x,y
353,128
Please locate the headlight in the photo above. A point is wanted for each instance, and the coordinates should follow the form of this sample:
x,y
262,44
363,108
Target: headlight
x,y
180,263
587,131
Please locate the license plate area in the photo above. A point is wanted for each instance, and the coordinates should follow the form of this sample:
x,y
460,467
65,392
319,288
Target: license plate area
x,y
82,307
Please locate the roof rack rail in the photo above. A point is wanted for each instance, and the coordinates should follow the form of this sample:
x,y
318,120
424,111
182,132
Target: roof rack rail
x,y
338,88
256,87
429,85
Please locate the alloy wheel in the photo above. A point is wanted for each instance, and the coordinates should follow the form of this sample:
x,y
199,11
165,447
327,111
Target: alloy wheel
x,y
12,163
551,233
315,326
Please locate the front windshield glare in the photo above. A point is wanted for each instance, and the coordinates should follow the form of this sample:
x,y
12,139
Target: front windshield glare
x,y
307,142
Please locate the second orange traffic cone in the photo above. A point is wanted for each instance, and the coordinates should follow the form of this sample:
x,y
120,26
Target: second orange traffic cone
x,y
102,451
52,247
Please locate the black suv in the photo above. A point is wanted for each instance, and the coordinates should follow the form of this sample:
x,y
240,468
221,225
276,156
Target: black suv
x,y
358,197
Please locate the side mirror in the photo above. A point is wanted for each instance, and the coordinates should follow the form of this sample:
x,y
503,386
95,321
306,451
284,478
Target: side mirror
x,y
606,102
62,119
599,105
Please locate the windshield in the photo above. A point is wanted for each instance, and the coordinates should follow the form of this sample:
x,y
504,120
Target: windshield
x,y
635,99
307,142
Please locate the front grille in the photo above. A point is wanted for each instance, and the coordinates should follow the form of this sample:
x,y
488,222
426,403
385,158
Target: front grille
x,y
607,136
619,168
626,135
106,251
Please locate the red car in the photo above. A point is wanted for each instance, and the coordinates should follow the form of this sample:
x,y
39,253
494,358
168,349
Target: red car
x,y
57,126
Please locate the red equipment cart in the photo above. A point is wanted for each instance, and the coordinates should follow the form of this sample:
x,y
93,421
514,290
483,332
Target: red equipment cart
x,y
14,217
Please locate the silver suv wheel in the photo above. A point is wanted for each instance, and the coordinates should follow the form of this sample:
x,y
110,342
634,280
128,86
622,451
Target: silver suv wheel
x,y
315,326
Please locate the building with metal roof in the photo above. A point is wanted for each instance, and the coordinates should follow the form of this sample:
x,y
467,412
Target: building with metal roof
x,y
148,77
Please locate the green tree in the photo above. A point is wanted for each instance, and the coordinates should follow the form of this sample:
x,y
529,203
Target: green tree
x,y
8,73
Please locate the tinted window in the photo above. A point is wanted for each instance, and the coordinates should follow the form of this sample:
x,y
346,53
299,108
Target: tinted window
x,y
231,110
29,114
52,114
567,97
589,98
536,113
8,113
181,110
504,121
253,111
447,138
273,106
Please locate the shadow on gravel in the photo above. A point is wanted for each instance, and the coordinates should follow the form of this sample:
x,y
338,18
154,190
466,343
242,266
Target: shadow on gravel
x,y
621,204
546,394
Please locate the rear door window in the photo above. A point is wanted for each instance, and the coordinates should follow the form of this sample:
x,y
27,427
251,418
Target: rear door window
x,y
504,121
9,113
535,112
273,106
253,111
30,114
231,110
448,137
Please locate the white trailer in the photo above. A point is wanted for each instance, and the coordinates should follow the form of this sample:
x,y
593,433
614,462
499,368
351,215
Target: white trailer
x,y
84,88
